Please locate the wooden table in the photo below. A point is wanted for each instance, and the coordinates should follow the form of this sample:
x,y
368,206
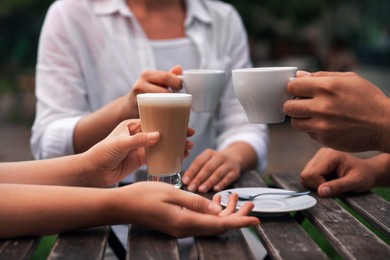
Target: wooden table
x,y
283,236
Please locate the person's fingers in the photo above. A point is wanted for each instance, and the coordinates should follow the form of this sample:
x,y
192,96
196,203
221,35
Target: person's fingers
x,y
308,87
231,205
145,139
190,132
206,225
298,108
151,87
312,179
156,81
212,173
245,209
128,143
126,128
302,73
301,87
206,171
304,124
189,145
199,224
133,126
331,74
348,182
128,136
176,70
317,127
324,162
214,179
194,168
160,78
336,187
217,199
195,202
228,178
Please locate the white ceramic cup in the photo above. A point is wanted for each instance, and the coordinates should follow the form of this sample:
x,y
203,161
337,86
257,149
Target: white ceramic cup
x,y
205,86
263,91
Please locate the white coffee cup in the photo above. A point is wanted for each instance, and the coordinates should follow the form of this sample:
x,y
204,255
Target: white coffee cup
x,y
205,86
263,91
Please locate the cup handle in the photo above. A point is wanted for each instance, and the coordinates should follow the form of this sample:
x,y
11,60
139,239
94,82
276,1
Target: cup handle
x,y
295,97
182,81
182,84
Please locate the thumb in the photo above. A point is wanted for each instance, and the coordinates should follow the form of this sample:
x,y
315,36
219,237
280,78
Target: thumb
x,y
302,73
142,139
327,74
336,187
176,70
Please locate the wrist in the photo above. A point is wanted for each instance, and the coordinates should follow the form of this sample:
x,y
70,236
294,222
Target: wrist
x,y
381,163
105,208
120,206
87,170
384,126
242,153
111,206
128,110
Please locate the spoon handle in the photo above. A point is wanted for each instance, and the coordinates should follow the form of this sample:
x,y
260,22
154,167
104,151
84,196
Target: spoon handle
x,y
251,197
293,193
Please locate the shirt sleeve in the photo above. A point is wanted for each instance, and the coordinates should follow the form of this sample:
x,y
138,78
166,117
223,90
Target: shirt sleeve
x,y
60,90
233,125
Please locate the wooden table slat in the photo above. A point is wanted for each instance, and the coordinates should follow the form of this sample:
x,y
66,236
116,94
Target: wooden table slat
x,y
373,208
345,233
296,244
282,236
20,248
89,243
231,244
145,243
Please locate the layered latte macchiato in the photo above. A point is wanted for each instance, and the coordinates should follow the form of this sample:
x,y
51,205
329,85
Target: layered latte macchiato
x,y
167,113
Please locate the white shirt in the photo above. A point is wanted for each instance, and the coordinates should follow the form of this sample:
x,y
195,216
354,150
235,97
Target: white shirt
x,y
169,53
92,51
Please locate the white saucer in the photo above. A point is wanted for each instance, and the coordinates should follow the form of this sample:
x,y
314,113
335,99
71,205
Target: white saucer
x,y
270,205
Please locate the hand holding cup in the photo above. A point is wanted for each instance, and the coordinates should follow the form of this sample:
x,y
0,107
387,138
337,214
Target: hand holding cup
x,y
263,91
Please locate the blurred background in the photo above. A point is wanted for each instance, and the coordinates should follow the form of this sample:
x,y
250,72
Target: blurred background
x,y
337,35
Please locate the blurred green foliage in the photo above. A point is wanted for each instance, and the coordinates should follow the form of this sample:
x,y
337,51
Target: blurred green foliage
x,y
20,24
300,13
269,22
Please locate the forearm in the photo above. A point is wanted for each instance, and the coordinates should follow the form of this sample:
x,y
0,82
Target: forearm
x,y
30,210
384,126
68,171
243,153
96,126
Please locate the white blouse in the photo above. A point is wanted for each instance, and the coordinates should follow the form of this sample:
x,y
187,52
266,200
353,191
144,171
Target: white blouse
x,y
92,51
